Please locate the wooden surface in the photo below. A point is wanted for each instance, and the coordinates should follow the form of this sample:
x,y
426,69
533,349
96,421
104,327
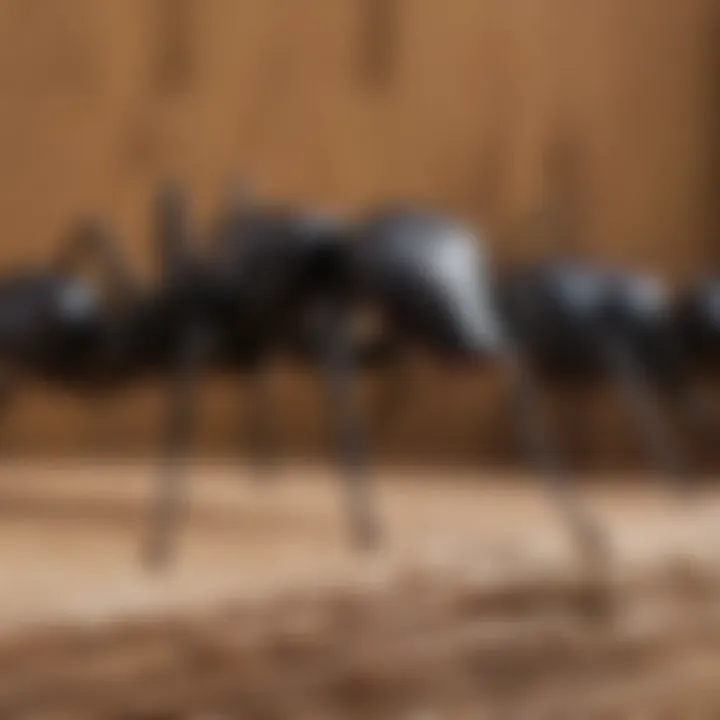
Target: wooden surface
x,y
476,605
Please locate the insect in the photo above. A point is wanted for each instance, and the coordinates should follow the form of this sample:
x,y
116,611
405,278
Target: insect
x,y
270,280
89,336
300,280
579,322
466,291
431,279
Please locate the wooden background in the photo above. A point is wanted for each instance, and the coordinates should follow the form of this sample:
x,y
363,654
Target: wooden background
x,y
341,103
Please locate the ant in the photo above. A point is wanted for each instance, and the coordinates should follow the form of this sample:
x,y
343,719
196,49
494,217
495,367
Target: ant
x,y
579,322
428,278
273,280
64,329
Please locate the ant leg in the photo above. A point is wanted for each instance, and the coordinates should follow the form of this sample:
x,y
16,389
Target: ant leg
x,y
7,395
349,436
695,407
257,423
702,413
534,435
576,403
171,496
656,435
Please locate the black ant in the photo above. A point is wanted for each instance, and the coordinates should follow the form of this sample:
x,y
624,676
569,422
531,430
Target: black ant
x,y
273,280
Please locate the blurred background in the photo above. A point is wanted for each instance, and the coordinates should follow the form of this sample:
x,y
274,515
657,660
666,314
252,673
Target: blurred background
x,y
342,104
589,125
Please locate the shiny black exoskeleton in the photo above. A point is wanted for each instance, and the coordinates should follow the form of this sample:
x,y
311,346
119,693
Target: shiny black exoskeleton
x,y
61,326
434,286
579,322
301,279
270,281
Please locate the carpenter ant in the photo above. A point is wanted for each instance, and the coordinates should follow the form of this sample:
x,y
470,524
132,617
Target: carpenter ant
x,y
427,277
578,322
273,280
58,326
433,281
